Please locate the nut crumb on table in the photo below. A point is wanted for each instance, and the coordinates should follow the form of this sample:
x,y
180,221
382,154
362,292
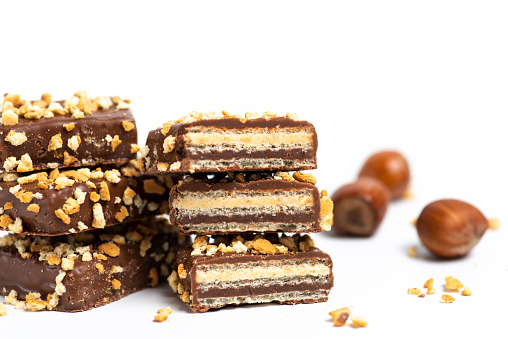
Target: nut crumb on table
x,y
359,321
340,316
162,314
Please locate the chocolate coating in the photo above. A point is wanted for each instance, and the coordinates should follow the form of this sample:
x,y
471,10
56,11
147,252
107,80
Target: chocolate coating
x,y
93,129
85,286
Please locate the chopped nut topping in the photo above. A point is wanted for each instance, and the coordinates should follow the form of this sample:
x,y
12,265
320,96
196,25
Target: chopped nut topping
x,y
305,177
33,208
115,142
175,166
71,206
8,205
53,260
110,249
447,299
69,159
359,321
429,283
99,267
144,246
162,314
453,284
120,216
73,142
128,126
98,216
9,118
135,148
16,138
116,284
162,166
153,275
69,127
64,217
104,191
169,144
264,246
99,256
151,186
67,264
94,196
128,196
340,316
467,291
112,176
326,213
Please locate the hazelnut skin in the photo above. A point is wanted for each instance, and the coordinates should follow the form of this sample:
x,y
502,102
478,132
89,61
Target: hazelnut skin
x,y
359,207
389,167
450,228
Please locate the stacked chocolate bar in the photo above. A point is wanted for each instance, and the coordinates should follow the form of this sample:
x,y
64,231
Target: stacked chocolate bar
x,y
239,200
61,253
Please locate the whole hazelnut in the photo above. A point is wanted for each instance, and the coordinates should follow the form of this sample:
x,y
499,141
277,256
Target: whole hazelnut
x,y
359,207
389,167
450,228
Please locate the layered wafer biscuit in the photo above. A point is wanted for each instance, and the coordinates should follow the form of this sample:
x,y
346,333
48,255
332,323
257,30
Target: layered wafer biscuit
x,y
267,203
81,131
234,271
203,143
89,269
71,201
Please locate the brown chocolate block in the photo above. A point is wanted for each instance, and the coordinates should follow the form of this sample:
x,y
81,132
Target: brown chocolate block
x,y
81,131
265,205
64,202
252,274
86,270
193,145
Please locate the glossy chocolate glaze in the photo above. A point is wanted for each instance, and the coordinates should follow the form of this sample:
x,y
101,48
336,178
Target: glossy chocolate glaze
x,y
92,129
192,262
45,222
180,153
262,186
86,287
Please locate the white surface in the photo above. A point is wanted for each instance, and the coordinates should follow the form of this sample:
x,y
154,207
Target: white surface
x,y
426,78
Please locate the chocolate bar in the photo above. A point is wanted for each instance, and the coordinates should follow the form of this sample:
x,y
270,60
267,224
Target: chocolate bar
x,y
86,270
64,202
81,131
203,143
278,203
260,270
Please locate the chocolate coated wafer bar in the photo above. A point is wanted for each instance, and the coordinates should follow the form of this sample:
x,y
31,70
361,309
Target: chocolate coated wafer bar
x,y
267,204
81,131
70,201
86,270
198,143
251,271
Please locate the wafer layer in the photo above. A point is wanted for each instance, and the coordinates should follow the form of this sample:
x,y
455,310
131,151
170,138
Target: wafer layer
x,y
232,144
213,281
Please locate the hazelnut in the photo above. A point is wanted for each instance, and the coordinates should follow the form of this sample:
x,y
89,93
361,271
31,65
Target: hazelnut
x,y
450,228
391,168
359,207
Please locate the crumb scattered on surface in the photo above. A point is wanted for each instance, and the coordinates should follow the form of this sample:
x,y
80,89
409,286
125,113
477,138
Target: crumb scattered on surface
x,y
446,299
453,283
412,252
467,291
494,223
414,291
340,316
162,314
359,321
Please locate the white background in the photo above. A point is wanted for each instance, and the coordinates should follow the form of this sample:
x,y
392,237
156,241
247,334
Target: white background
x,y
428,78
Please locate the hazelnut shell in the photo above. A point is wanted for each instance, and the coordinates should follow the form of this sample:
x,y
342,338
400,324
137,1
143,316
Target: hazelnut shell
x,y
359,207
391,168
450,228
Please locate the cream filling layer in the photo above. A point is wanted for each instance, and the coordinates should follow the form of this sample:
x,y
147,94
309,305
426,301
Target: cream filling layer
x,y
207,203
210,275
265,298
249,140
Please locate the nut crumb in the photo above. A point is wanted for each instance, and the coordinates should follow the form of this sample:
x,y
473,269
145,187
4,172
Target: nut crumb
x,y
128,126
467,291
162,314
68,127
446,299
359,321
412,252
340,316
414,291
453,284
116,284
120,216
151,186
55,142
64,217
3,309
494,223
169,144
16,138
110,249
99,267
304,177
